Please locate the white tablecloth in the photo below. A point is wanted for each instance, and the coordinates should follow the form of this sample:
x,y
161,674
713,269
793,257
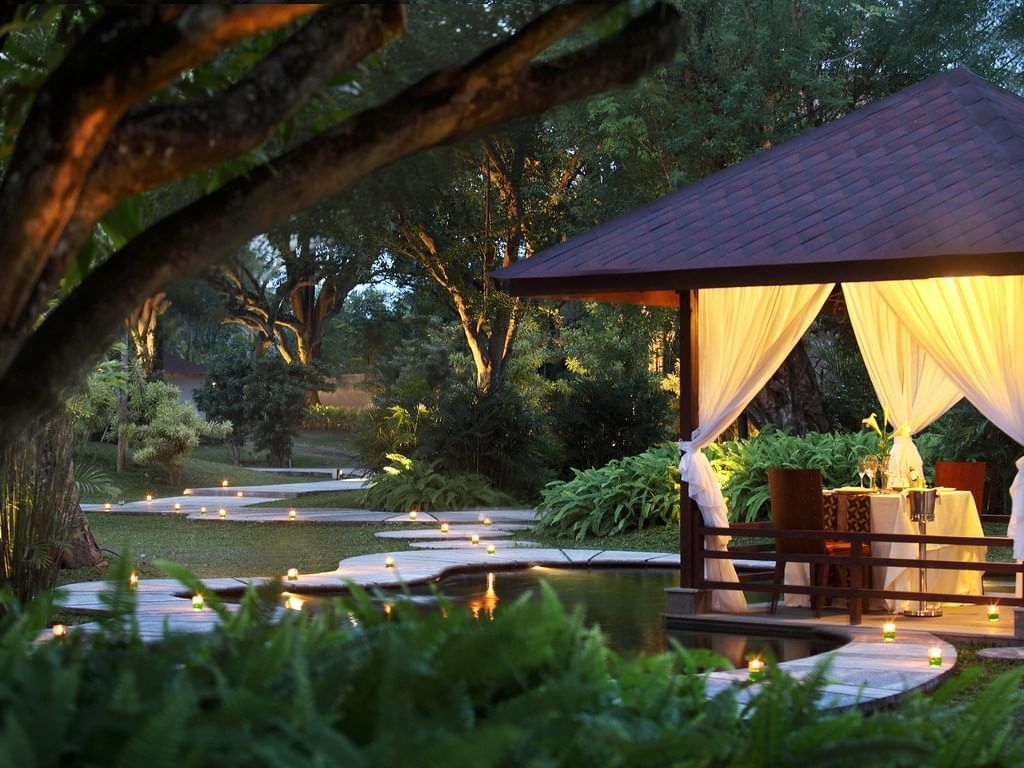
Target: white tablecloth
x,y
955,515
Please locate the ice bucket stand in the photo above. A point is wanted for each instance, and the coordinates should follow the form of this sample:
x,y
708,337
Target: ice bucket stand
x,y
922,512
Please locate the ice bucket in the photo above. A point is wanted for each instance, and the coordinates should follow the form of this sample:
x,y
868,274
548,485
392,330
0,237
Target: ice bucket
x,y
922,504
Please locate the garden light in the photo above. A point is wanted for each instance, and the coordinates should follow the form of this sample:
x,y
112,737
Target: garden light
x,y
755,668
474,539
60,630
177,507
389,562
889,631
412,514
133,580
197,602
294,603
202,510
935,656
293,574
149,497
239,494
487,522
444,527
292,514
106,507
223,483
222,513
490,549
992,612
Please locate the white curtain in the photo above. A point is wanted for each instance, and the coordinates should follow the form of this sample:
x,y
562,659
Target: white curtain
x,y
911,386
974,328
744,335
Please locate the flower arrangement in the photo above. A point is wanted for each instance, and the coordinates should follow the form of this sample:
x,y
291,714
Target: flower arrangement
x,y
885,437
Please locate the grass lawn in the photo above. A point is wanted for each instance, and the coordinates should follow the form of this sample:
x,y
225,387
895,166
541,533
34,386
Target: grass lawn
x,y
311,449
135,482
216,549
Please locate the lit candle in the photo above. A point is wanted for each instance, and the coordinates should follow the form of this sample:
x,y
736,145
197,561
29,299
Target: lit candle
x,y
755,668
444,527
239,494
223,483
935,656
187,492
202,510
133,580
177,507
106,507
412,514
293,574
889,631
490,549
992,612
292,514
487,522
389,562
222,513
149,497
60,630
474,539
197,602
294,603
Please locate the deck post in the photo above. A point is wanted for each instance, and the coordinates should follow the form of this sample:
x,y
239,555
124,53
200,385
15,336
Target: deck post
x,y
691,563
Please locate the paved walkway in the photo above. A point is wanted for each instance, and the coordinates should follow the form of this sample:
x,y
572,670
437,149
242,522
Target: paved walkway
x,y
864,672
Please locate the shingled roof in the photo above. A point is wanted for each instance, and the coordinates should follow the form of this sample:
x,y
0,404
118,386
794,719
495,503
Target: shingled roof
x,y
926,182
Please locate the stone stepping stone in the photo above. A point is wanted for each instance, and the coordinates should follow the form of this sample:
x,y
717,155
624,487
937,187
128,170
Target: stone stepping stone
x,y
464,544
1013,653
454,533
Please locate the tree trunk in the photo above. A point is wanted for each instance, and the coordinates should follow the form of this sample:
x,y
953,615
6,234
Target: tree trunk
x,y
82,551
791,399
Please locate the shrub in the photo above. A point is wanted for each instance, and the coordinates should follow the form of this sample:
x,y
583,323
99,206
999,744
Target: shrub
x,y
498,436
36,504
172,433
601,418
742,465
382,431
406,484
331,418
357,686
625,494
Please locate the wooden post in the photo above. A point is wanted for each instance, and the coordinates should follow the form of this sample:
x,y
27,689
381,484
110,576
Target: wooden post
x,y
691,562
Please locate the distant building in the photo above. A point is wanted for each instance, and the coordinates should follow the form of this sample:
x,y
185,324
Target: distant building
x,y
186,376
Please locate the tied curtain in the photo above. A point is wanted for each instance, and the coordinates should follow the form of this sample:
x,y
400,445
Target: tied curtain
x,y
974,329
912,387
744,335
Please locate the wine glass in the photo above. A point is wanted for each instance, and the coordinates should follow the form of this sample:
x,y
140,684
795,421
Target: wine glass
x,y
862,470
871,464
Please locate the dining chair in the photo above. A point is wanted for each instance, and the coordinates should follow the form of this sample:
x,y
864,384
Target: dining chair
x,y
964,476
798,504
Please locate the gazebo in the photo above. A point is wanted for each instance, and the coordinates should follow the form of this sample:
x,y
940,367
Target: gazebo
x,y
915,203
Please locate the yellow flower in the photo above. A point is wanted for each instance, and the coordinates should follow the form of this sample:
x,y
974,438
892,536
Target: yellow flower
x,y
872,422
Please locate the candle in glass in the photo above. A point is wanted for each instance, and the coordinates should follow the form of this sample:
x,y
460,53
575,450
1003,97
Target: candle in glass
x,y
889,631
992,612
755,668
935,656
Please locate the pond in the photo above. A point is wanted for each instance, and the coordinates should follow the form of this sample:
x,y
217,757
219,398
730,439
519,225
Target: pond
x,y
627,604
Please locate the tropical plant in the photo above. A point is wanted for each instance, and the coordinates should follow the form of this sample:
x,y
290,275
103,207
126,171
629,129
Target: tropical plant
x,y
625,494
171,435
37,501
742,465
406,484
92,480
383,431
357,685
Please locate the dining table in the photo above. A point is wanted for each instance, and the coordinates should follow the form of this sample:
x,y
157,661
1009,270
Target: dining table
x,y
955,515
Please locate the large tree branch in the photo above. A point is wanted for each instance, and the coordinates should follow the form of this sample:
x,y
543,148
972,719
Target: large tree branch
x,y
129,53
154,144
440,109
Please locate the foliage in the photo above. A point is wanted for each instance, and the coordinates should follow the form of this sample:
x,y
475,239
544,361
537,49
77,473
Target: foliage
x,y
94,481
223,395
383,431
605,417
624,495
742,465
174,430
406,484
37,496
331,418
354,685
846,390
497,435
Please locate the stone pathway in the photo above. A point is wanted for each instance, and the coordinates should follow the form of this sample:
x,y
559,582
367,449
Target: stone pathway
x,y
864,672
1012,653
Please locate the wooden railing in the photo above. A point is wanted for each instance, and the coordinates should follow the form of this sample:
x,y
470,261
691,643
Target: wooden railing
x,y
857,594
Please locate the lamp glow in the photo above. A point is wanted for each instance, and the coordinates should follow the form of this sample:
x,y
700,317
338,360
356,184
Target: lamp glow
x,y
755,668
490,549
389,562
149,497
294,603
239,494
992,612
202,510
487,522
133,580
293,574
412,514
444,527
177,507
197,602
292,514
222,513
935,656
60,630
106,507
187,492
223,483
889,631
474,539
